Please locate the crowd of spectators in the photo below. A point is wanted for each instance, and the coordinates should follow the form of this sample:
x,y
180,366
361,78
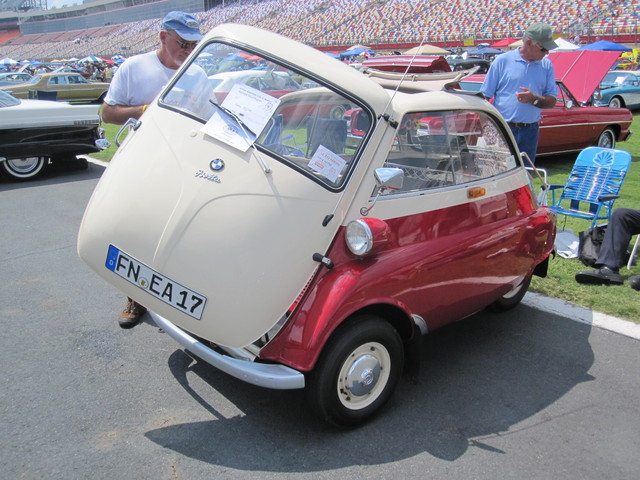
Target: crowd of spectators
x,y
348,22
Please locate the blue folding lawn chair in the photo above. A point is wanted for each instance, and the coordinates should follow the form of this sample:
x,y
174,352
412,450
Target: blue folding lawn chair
x,y
593,184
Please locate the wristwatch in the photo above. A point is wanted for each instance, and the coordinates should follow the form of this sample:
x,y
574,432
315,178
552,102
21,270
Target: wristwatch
x,y
535,102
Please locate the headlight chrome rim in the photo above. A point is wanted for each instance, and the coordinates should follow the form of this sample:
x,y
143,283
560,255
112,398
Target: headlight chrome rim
x,y
359,237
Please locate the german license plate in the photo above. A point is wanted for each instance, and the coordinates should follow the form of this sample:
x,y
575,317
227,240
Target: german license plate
x,y
158,285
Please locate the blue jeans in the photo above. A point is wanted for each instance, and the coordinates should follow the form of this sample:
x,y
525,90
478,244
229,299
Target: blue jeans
x,y
527,140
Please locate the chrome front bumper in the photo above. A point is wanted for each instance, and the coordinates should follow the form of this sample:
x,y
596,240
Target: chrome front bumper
x,y
278,377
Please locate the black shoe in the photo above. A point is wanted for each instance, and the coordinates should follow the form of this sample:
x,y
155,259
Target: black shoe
x,y
602,276
131,314
634,281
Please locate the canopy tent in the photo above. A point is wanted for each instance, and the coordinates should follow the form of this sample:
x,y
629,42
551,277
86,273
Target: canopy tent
x,y
582,70
91,59
484,51
8,61
505,42
564,45
356,50
606,46
427,49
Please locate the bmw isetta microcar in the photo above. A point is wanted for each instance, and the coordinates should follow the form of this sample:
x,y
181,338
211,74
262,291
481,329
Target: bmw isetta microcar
x,y
275,239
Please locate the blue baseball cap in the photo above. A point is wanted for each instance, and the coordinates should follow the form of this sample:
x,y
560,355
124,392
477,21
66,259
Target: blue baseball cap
x,y
184,24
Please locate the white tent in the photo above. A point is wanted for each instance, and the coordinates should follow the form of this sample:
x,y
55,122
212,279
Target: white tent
x,y
8,61
564,45
91,59
427,50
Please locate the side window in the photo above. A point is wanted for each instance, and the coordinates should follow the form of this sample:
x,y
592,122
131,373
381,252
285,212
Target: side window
x,y
441,149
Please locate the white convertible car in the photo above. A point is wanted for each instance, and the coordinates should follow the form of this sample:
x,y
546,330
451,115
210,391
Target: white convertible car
x,y
36,133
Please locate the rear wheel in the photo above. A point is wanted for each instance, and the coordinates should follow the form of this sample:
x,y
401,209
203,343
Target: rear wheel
x,y
23,168
607,139
357,372
616,102
512,298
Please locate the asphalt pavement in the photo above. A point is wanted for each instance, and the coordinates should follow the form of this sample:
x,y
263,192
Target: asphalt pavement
x,y
528,394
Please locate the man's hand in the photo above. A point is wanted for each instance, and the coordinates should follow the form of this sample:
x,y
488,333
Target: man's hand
x,y
543,101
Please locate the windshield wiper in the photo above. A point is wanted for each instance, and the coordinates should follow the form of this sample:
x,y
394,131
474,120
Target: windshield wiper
x,y
246,130
234,116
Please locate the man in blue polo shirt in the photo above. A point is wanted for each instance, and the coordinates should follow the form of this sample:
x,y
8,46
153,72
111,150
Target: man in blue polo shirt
x,y
522,83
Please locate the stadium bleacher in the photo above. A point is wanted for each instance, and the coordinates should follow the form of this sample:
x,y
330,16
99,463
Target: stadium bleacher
x,y
324,23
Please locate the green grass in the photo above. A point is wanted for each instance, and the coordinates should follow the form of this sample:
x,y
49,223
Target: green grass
x,y
619,301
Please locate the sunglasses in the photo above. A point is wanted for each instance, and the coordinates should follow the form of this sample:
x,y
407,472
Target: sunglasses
x,y
542,49
184,44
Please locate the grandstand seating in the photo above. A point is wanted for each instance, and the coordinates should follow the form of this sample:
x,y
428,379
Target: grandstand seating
x,y
348,22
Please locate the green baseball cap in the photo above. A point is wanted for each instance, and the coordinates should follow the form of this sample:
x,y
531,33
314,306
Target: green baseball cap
x,y
541,33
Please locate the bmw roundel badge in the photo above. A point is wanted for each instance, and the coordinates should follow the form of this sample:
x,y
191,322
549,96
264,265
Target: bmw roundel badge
x,y
216,165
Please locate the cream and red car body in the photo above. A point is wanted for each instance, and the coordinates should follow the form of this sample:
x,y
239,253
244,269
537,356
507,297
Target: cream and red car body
x,y
241,256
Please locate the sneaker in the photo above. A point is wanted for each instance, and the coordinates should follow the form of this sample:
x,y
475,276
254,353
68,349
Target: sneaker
x,y
602,276
634,281
131,314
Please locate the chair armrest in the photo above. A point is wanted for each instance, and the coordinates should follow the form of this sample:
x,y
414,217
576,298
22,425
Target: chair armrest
x,y
553,189
607,198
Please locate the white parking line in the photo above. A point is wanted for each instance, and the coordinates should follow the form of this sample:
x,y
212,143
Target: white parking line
x,y
581,314
95,160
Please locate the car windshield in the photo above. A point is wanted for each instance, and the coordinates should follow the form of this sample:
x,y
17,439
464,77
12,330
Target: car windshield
x,y
35,79
7,100
616,77
246,101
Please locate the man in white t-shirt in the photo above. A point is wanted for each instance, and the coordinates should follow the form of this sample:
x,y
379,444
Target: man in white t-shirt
x,y
138,82
140,78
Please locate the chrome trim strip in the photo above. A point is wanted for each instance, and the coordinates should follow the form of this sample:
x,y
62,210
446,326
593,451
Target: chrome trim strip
x,y
566,125
278,377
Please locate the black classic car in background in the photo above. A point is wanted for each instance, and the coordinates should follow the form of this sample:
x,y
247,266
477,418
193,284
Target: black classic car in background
x,y
34,134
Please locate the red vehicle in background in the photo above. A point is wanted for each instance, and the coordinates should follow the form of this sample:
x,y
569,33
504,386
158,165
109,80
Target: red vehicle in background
x,y
575,123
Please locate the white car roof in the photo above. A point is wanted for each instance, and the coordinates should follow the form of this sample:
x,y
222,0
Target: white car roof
x,y
313,61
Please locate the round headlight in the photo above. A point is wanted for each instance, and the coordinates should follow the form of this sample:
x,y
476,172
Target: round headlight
x,y
359,237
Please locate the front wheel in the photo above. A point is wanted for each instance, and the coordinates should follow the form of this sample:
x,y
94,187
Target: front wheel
x,y
616,102
23,168
357,372
607,139
512,298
